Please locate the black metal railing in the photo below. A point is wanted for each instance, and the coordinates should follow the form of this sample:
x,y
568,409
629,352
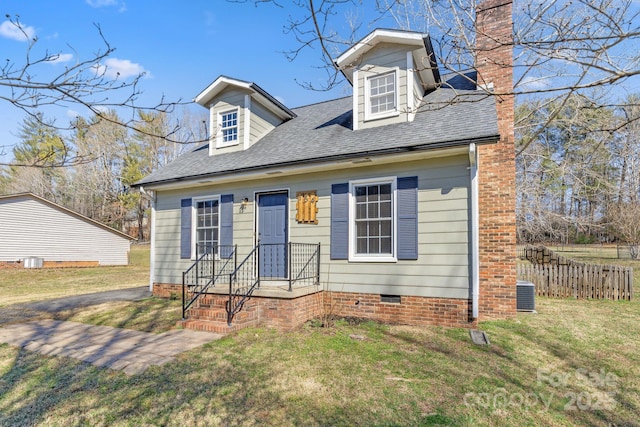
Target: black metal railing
x,y
304,264
242,282
214,263
296,263
273,261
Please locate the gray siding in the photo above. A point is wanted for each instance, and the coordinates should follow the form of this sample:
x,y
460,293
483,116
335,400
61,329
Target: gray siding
x,y
442,268
228,100
262,122
30,228
385,57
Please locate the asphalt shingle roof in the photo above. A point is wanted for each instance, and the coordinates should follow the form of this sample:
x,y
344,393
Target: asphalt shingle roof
x,y
322,132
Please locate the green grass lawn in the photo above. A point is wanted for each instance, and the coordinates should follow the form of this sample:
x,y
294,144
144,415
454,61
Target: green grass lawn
x,y
25,285
572,363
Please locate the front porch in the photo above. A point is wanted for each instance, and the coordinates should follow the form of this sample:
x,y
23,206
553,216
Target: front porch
x,y
275,284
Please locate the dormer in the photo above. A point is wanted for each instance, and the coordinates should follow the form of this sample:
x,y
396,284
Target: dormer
x,y
240,114
390,72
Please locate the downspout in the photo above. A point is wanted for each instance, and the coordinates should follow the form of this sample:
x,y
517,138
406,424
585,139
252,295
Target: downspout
x,y
151,195
475,234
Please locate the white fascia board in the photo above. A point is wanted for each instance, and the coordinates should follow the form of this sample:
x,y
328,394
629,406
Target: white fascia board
x,y
406,38
380,36
223,82
218,86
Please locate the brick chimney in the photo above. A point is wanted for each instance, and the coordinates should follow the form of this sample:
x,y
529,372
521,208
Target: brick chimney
x,y
496,164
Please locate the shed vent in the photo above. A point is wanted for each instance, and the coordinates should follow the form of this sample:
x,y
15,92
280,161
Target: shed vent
x,y
525,296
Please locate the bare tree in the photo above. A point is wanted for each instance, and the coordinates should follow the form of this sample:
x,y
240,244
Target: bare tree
x,y
560,47
85,84
568,57
623,217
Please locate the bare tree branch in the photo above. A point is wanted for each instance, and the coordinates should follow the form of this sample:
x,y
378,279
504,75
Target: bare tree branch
x,y
84,84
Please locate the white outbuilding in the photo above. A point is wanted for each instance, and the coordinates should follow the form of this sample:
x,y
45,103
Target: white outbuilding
x,y
35,229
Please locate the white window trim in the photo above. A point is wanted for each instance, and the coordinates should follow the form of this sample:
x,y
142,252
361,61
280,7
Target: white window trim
x,y
194,220
247,122
355,257
367,96
355,116
219,142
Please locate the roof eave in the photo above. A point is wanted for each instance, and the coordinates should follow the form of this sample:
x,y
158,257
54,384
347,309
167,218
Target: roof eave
x,y
491,139
375,37
222,82
428,70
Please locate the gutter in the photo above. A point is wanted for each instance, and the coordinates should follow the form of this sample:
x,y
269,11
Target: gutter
x,y
475,234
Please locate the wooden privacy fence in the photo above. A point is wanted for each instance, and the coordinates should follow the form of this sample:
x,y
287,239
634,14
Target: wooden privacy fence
x,y
588,281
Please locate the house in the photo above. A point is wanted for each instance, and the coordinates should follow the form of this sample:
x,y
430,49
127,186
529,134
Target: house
x,y
33,227
395,204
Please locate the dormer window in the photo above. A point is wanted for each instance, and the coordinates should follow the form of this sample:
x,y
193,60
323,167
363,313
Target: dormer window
x,y
228,125
382,95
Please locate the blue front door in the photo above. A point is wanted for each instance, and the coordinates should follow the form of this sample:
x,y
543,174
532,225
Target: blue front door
x,y
272,232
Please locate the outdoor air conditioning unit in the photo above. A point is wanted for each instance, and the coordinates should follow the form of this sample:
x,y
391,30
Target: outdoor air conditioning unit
x,y
32,262
525,296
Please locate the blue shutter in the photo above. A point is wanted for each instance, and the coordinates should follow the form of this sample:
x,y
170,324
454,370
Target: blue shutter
x,y
185,228
340,221
226,225
408,217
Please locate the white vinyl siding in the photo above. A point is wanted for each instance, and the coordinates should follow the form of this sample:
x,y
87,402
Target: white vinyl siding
x,y
32,228
442,267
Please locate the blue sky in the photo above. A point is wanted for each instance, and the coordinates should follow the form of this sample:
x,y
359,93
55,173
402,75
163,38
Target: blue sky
x,y
182,46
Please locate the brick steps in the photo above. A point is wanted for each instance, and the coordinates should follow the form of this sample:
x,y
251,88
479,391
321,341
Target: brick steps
x,y
209,326
210,314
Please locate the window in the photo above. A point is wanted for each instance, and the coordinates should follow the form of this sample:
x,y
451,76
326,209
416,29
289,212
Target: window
x,y
228,122
382,95
366,202
372,220
206,221
207,225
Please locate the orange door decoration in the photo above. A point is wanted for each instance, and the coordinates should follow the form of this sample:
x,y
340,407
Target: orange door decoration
x,y
306,209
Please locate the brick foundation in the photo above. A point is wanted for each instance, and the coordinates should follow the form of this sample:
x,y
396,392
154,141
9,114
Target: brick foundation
x,y
289,313
51,264
412,310
6,265
167,290
69,264
281,313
